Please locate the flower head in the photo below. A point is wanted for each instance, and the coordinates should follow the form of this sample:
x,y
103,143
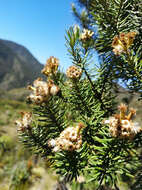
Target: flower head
x,y
86,35
74,72
51,66
122,42
70,139
42,91
121,125
25,121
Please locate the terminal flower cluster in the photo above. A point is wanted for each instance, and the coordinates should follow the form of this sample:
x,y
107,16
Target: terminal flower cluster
x,y
86,35
42,91
25,121
70,139
51,66
122,42
121,125
74,72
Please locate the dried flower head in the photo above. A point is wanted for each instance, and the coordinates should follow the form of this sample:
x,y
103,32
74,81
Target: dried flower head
x,y
74,72
42,91
51,66
86,35
25,121
70,139
121,125
122,42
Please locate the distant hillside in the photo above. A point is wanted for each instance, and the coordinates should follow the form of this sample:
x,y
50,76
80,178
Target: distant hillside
x,y
18,67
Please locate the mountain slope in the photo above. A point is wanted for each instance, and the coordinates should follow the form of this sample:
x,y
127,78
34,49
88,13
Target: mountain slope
x,y
18,67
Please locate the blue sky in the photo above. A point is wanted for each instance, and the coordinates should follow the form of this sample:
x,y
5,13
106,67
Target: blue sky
x,y
39,25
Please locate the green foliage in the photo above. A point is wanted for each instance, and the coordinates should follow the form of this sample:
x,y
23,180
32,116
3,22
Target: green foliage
x,y
70,164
